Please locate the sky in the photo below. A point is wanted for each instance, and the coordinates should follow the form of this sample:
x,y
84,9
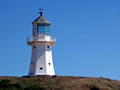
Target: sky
x,y
87,36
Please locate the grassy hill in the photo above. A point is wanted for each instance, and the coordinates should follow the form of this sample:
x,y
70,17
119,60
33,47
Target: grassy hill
x,y
58,83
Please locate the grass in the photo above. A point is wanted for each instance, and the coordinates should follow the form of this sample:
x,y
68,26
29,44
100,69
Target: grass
x,y
58,83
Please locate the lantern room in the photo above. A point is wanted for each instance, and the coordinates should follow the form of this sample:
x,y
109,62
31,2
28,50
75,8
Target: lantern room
x,y
41,26
41,32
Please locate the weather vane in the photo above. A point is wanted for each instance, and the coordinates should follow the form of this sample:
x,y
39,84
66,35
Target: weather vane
x,y
41,11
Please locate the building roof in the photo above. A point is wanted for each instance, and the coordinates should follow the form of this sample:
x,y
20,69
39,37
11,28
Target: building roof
x,y
41,20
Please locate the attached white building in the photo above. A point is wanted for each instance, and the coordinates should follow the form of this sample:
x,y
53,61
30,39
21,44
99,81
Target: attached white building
x,y
41,42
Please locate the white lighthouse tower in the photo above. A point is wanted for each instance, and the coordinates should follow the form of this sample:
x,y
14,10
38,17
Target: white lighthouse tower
x,y
41,42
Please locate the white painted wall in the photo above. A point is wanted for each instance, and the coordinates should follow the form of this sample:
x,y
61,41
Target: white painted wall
x,y
50,67
41,57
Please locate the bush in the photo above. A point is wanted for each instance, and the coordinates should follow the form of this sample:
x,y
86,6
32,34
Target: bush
x,y
6,85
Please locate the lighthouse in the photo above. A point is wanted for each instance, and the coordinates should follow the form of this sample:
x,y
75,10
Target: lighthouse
x,y
41,42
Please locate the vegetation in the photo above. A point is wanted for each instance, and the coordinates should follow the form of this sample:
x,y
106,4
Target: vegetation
x,y
58,83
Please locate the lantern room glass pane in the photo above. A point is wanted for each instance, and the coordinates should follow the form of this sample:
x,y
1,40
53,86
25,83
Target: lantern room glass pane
x,y
47,30
41,29
44,30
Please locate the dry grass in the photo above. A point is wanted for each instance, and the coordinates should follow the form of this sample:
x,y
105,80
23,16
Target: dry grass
x,y
58,83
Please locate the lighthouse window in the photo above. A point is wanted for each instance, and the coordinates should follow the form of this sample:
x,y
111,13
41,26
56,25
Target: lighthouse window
x,y
41,68
48,47
49,64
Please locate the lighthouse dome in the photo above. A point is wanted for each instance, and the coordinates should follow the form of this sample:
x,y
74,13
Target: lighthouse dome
x,y
41,21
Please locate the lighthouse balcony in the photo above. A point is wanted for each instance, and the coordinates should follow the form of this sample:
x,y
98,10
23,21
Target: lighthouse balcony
x,y
41,40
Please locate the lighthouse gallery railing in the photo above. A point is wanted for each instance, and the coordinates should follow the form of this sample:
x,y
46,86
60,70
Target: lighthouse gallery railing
x,y
30,39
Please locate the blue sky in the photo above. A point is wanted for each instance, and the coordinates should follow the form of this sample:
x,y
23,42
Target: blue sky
x,y
87,33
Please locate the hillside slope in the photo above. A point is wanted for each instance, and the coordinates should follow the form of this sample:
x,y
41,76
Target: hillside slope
x,y
58,83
